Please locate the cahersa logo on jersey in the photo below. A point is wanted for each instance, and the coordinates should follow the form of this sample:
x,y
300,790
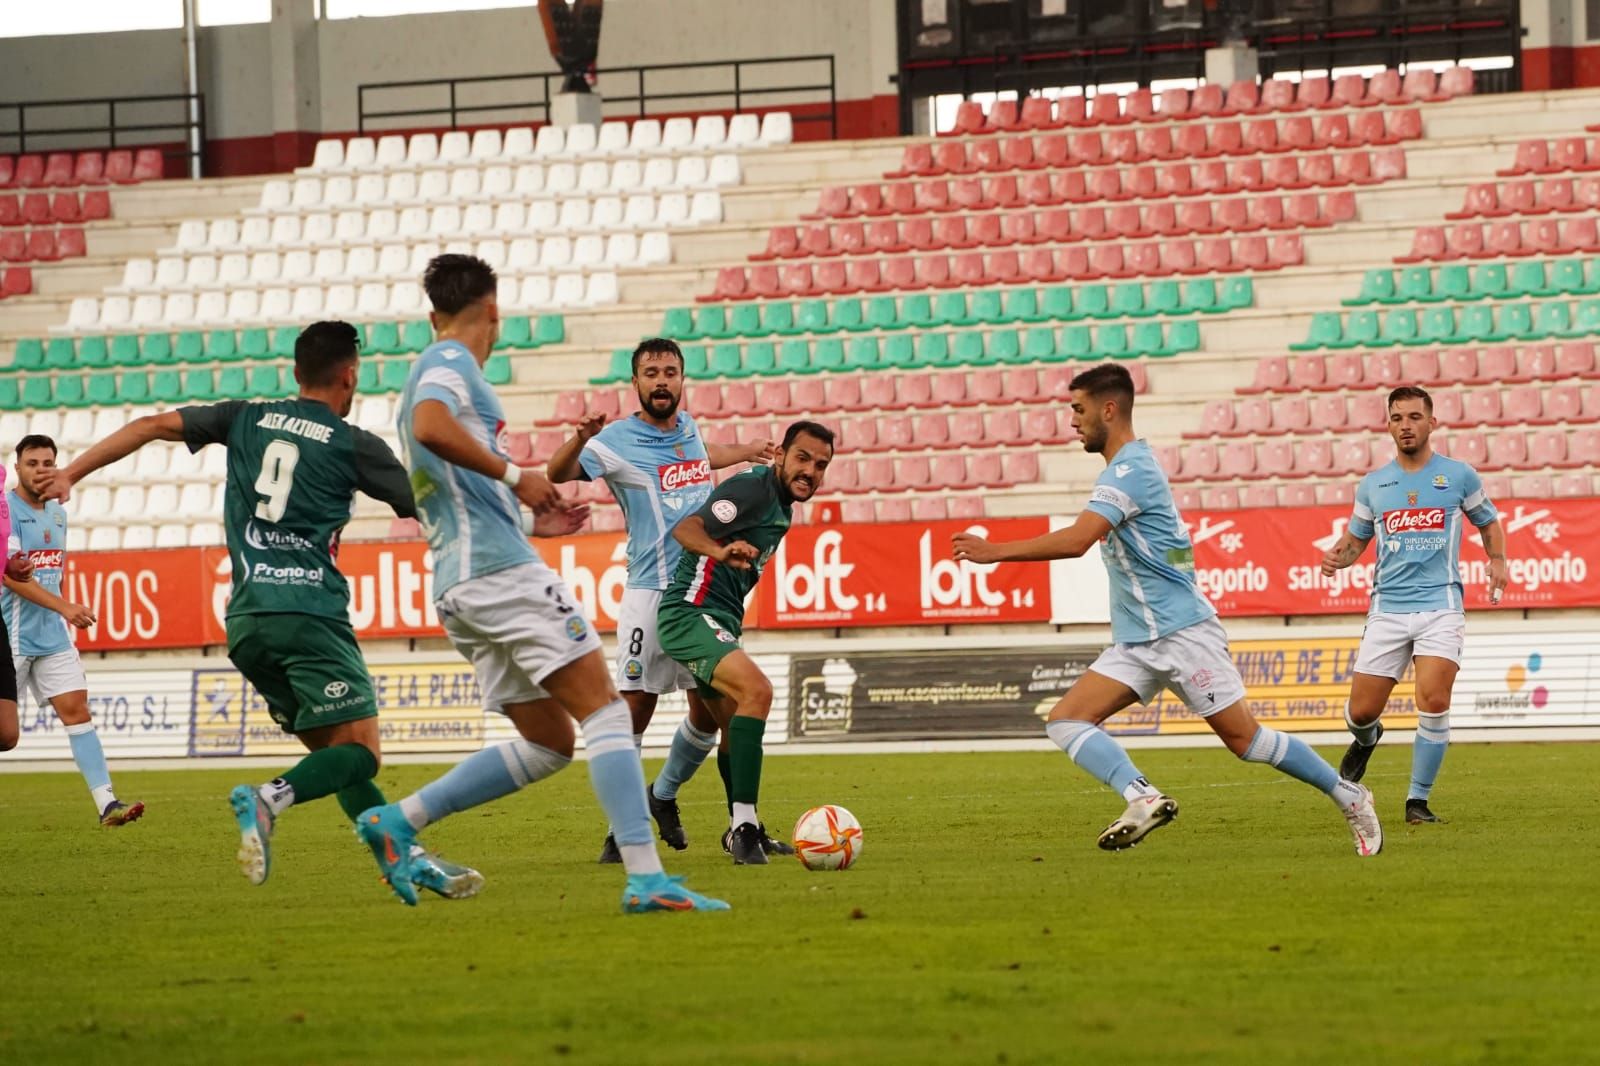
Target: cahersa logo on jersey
x,y
675,476
47,558
1414,520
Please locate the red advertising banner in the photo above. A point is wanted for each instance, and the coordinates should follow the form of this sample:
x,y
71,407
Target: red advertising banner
x,y
899,574
143,599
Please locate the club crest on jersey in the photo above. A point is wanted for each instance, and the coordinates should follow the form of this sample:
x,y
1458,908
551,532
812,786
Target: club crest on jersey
x,y
633,670
725,510
675,476
577,629
1440,481
677,449
1411,499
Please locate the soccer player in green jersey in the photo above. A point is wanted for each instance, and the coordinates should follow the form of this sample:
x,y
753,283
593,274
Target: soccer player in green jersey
x,y
294,466
726,545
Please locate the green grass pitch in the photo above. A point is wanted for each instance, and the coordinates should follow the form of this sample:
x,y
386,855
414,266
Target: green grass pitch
x,y
981,926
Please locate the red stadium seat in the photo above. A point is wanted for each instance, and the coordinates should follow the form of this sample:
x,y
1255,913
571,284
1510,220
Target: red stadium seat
x,y
1272,373
1020,467
71,242
148,165
1297,495
16,281
1314,92
1508,450
1251,416
1237,459
42,245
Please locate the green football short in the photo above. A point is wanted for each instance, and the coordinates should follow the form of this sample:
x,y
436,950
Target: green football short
x,y
308,669
698,639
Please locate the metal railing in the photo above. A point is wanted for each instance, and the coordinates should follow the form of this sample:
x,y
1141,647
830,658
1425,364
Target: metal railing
x,y
624,91
108,122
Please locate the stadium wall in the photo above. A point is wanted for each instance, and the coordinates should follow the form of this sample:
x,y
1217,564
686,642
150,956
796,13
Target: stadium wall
x,y
238,64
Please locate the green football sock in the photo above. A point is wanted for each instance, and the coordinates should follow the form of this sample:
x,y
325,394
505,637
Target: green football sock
x,y
744,744
325,772
359,797
725,768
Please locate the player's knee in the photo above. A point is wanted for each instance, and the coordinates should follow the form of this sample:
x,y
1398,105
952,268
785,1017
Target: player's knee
x,y
1433,700
9,738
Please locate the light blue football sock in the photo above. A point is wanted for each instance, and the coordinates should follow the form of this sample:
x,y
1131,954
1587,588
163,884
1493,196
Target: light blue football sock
x,y
1427,752
480,777
618,780
91,760
689,749
1294,757
1095,752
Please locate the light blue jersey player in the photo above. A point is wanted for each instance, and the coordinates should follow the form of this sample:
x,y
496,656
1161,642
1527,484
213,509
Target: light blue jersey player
x,y
1166,635
41,621
1414,507
537,660
658,467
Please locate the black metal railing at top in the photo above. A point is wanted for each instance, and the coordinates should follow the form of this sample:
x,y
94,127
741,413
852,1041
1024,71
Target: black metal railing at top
x,y
733,85
107,122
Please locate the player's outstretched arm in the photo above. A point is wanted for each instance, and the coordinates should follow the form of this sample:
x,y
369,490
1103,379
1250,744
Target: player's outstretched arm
x,y
723,456
1067,543
1342,554
1494,546
437,429
380,475
565,464
124,442
691,533
75,613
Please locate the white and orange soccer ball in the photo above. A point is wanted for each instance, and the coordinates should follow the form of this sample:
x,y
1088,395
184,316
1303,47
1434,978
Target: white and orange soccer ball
x,y
827,838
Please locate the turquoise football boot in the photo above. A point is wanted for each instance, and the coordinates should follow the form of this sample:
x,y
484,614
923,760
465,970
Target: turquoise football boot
x,y
391,838
659,892
443,877
255,833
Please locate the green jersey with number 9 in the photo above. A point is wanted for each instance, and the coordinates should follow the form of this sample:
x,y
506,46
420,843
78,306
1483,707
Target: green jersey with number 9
x,y
293,470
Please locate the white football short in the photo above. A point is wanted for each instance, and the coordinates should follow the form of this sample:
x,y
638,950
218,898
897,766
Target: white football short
x,y
1194,664
49,676
641,664
1389,641
517,627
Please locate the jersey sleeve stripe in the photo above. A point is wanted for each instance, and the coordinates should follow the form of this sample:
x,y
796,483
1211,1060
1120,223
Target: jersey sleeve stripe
x,y
449,380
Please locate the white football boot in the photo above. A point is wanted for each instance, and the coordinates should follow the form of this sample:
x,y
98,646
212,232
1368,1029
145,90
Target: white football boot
x,y
1364,824
1144,816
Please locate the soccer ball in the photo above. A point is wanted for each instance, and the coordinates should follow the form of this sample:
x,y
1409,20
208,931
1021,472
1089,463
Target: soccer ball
x,y
827,838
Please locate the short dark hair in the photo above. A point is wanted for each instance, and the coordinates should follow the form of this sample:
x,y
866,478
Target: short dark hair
x,y
656,346
811,429
1106,382
36,440
322,350
455,282
1411,392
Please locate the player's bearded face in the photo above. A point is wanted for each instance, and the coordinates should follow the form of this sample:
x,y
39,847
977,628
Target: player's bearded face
x,y
803,465
1086,420
659,381
1410,424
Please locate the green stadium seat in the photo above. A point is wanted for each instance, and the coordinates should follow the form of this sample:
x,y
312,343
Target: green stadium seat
x,y
60,354
394,374
255,344
549,329
678,324
37,391
1183,336
125,350
1128,299
1077,342
283,343
812,317
828,354
1416,283
950,309
1586,322
497,371
190,347
1039,344
367,380
264,382
967,349
101,388
1112,340
863,354
621,368
383,338
233,383
795,357
1438,325
166,386
1164,298
222,347
916,311
746,321
882,313
1377,286
726,362
933,349
1200,294
414,336
1567,278
1148,338
1477,324
1453,282
1022,305
1490,280
847,315
1005,346
93,353
1092,301
199,385
1327,330
28,355
157,349
70,391
985,307
133,386
694,362
1516,320
10,394
1238,292
515,332
1399,327
1528,279
711,321
778,317
1360,327
760,359
1554,319
900,351
1056,304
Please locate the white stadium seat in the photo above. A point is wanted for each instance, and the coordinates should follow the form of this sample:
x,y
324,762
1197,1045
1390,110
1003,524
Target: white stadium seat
x,y
424,149
486,145
613,139
541,216
92,506
600,290
161,501
274,195
77,538
45,422
374,412
529,180
622,249
307,193
172,535
276,304
192,234
555,253
329,155
492,251
496,182
581,140
518,143
233,269
137,537
103,539
373,299
640,211
371,189
691,172
645,135
337,193
574,215
205,535
296,267
402,188
394,260
255,233
654,249
444,221
202,272
391,151
522,256
244,305
626,175
777,127
211,307
152,464
194,502
705,208
744,131
463,183
413,222
710,132
560,179
77,430
224,233
169,274
339,302
317,228
139,274
550,142
285,230
677,134
672,209
657,174
405,300
534,292
588,250
328,264
568,290
593,176
14,426
361,153
455,146
361,263
180,307
477,218
379,225
265,268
